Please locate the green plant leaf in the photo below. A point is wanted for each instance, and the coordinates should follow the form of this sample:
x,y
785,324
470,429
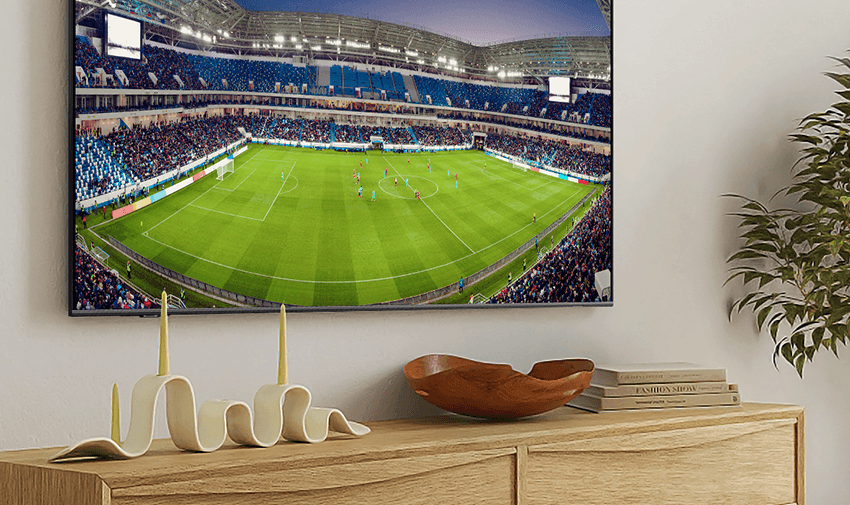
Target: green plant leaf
x,y
817,337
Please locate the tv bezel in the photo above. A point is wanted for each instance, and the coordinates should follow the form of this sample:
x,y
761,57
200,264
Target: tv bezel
x,y
155,312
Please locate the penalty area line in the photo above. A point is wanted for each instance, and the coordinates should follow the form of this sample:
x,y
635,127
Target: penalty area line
x,y
278,191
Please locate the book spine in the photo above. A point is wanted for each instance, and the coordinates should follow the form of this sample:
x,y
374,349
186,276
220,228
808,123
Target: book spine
x,y
650,402
666,376
674,388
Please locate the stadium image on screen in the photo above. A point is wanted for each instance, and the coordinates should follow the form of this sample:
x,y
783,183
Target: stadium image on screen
x,y
248,159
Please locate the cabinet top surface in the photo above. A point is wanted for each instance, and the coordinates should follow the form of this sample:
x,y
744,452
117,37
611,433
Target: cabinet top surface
x,y
398,438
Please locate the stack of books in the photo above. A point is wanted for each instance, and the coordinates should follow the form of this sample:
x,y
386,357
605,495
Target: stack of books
x,y
656,386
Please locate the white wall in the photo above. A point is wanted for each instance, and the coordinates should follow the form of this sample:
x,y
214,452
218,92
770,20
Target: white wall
x,y
705,95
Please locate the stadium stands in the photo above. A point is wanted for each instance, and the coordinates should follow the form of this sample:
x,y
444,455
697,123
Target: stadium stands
x,y
316,131
149,152
567,273
96,171
95,287
347,133
562,155
263,76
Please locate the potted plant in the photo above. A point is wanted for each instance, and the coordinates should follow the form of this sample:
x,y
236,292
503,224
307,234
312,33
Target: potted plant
x,y
795,264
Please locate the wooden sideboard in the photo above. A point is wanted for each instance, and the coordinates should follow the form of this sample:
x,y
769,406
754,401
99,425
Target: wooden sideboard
x,y
752,454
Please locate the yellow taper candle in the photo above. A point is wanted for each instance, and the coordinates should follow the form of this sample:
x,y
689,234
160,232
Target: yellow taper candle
x,y
163,336
282,373
116,418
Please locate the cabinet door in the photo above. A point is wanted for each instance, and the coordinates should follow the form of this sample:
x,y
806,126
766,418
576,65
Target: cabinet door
x,y
744,463
476,477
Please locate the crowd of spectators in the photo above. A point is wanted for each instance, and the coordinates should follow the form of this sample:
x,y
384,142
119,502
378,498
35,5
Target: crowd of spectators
x,y
346,133
244,75
96,287
162,147
367,132
550,128
561,155
281,128
316,131
400,136
568,272
440,136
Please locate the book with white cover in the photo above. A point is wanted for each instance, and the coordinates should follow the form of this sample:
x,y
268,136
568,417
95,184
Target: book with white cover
x,y
654,373
659,389
599,404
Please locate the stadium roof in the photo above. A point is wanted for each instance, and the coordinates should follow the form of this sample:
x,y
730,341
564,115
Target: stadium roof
x,y
224,26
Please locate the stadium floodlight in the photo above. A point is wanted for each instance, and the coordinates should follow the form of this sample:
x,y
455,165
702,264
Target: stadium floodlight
x,y
501,74
453,62
226,34
420,61
185,30
299,47
413,54
317,48
294,38
441,59
279,38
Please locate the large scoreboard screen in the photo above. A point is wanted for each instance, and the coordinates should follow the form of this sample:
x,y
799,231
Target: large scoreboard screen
x,y
123,37
559,89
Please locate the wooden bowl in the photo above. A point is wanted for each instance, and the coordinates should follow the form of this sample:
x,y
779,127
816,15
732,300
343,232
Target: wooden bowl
x,y
496,391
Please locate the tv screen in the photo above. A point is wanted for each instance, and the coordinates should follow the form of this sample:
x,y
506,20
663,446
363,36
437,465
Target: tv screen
x,y
123,37
559,89
240,169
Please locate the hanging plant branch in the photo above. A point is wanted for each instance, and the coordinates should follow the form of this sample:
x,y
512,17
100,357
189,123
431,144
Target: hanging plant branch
x,y
795,264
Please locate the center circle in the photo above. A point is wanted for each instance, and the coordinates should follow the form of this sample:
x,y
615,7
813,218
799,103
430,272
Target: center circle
x,y
427,188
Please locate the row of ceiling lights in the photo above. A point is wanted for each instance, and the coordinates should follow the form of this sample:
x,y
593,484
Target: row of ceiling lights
x,y
447,63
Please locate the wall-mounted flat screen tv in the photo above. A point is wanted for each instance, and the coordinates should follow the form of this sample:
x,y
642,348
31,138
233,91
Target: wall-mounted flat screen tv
x,y
239,159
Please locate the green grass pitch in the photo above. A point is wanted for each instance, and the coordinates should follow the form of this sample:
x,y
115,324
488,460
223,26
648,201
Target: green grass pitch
x,y
288,225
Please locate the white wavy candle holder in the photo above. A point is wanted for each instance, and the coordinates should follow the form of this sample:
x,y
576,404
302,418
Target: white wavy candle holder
x,y
279,410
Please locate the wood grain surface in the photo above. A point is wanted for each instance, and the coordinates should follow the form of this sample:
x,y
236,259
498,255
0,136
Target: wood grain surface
x,y
750,454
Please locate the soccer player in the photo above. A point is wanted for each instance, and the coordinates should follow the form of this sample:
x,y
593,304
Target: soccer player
x,y
460,285
354,171
523,263
373,195
455,183
533,217
449,172
360,192
361,165
396,182
129,275
408,160
385,171
407,182
455,175
485,165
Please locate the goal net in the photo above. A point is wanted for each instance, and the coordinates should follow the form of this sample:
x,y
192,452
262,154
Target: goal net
x,y
223,167
519,166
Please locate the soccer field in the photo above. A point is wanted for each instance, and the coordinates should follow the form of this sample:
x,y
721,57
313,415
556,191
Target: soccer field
x,y
288,224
